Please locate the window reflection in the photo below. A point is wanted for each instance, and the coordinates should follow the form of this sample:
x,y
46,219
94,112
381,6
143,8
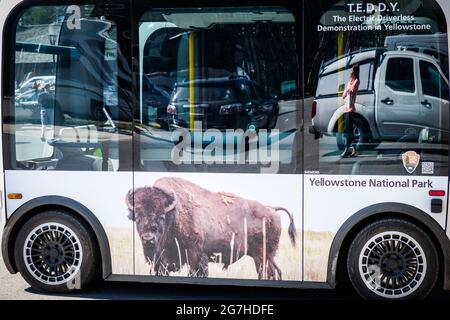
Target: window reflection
x,y
67,109
222,77
401,104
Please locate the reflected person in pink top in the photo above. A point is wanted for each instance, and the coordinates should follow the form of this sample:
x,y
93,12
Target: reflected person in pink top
x,y
350,94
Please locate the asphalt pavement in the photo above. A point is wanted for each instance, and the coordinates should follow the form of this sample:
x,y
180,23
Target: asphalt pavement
x,y
13,287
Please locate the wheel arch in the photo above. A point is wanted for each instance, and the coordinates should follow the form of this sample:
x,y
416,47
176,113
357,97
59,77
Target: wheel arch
x,y
348,231
339,113
37,205
333,128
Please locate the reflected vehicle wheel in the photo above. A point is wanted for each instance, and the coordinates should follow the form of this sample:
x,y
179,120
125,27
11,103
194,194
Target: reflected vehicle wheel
x,y
361,134
393,259
55,252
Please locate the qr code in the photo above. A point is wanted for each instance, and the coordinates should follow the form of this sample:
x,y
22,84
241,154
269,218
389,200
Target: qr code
x,y
427,167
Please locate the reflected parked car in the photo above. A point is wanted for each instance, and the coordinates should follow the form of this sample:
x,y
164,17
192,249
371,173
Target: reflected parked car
x,y
223,103
27,85
28,98
156,95
402,95
27,105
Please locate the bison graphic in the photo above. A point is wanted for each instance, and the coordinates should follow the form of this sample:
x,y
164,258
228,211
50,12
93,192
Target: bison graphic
x,y
181,223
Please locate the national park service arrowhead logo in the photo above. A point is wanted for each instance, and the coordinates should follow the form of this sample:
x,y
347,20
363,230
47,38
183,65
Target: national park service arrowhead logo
x,y
411,160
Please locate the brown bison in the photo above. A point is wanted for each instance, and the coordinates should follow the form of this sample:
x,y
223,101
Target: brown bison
x,y
181,223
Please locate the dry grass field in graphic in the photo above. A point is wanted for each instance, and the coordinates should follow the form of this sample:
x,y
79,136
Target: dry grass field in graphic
x,y
121,246
317,248
288,258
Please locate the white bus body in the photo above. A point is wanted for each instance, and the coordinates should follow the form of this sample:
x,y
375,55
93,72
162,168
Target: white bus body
x,y
94,181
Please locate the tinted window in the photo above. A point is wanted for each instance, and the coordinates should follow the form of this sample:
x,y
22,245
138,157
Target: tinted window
x,y
433,84
400,75
441,57
392,129
334,82
210,82
68,109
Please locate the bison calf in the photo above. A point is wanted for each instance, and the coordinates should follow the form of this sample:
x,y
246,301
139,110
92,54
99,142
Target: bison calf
x,y
181,223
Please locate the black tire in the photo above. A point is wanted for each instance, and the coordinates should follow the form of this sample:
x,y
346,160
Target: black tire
x,y
390,241
364,135
69,233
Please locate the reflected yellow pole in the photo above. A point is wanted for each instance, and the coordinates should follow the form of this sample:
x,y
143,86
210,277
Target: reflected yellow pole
x,y
340,40
191,80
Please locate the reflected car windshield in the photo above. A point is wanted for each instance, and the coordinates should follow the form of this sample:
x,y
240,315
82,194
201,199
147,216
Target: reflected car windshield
x,y
223,91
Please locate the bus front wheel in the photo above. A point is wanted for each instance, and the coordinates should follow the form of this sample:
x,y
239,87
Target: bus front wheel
x,y
393,259
55,252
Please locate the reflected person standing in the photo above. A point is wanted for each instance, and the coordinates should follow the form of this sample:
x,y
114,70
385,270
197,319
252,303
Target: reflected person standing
x,y
46,101
36,91
349,95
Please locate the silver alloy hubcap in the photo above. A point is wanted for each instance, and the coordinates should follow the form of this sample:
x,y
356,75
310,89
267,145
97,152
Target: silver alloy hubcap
x,y
392,264
53,253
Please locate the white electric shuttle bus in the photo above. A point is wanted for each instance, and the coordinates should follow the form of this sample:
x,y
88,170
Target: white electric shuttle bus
x,y
167,141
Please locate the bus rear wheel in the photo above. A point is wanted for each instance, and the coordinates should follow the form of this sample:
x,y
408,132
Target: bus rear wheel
x,y
393,259
55,252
